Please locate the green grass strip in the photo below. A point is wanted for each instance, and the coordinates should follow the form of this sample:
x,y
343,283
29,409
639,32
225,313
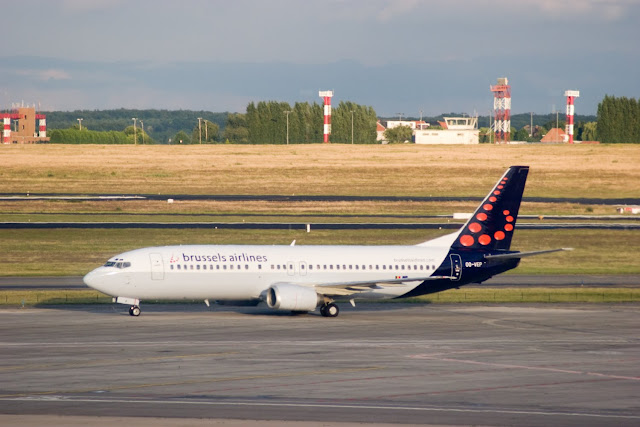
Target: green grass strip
x,y
18,298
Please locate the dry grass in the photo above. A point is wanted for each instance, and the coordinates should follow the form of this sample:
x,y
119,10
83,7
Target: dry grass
x,y
557,171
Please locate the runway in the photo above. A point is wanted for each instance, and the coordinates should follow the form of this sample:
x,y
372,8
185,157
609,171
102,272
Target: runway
x,y
534,365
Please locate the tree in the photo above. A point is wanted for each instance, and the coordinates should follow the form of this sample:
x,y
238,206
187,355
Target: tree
x,y
236,129
521,135
398,134
208,132
618,120
181,138
589,132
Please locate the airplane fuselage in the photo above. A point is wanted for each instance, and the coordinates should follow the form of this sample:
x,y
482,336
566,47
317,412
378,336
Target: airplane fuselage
x,y
236,272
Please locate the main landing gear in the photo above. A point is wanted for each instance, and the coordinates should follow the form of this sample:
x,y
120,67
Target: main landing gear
x,y
329,310
134,310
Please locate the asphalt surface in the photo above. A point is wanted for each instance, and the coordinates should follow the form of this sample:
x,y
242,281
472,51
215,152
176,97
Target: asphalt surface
x,y
20,197
498,365
515,280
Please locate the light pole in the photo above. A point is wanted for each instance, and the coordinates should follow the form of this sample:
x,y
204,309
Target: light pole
x,y
135,137
200,129
400,116
80,122
142,124
287,113
352,126
206,131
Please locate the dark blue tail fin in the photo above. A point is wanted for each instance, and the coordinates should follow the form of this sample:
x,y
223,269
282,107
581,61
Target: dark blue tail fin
x,y
492,224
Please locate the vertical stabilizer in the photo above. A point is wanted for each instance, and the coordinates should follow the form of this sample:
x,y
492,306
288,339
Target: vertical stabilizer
x,y
492,225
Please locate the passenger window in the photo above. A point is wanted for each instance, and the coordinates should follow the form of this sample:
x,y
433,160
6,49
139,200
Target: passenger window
x,y
126,264
224,267
198,267
191,266
171,266
118,265
259,266
246,267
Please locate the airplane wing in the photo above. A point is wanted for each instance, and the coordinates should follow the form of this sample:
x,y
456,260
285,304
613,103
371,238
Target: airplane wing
x,y
350,288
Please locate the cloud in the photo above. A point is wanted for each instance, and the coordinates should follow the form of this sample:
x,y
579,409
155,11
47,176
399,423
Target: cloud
x,y
45,75
395,8
610,10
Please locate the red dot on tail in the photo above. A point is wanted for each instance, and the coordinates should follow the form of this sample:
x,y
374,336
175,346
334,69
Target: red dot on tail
x,y
508,227
474,227
481,216
506,212
485,239
492,199
466,240
487,207
497,192
509,218
499,235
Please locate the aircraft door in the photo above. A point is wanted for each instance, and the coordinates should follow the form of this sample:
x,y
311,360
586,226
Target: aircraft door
x,y
157,267
456,267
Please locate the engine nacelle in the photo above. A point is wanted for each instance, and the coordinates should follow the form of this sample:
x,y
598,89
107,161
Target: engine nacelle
x,y
292,297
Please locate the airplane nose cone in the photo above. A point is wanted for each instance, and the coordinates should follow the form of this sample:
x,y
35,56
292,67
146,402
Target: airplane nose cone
x,y
92,279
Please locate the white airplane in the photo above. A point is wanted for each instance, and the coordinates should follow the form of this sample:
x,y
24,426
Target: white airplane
x,y
303,278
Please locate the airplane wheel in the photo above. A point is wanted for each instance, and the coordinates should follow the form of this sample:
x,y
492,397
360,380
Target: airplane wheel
x,y
331,310
323,310
134,311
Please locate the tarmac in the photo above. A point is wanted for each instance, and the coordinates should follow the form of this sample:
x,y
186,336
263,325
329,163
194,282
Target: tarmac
x,y
494,365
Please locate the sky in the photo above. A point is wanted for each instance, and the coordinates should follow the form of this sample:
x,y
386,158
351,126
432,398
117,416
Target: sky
x,y
406,57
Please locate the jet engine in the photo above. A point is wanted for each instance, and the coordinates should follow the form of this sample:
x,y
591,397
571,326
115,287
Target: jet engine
x,y
292,297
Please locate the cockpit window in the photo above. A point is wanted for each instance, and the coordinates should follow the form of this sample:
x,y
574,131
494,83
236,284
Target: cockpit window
x,y
118,264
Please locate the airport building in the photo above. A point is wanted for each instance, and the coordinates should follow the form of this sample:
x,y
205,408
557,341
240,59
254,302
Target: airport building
x,y
455,130
24,126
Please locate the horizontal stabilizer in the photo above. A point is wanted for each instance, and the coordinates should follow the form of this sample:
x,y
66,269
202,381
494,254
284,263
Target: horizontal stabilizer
x,y
512,255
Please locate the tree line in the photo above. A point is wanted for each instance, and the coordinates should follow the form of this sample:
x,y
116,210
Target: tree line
x,y
278,122
619,120
159,125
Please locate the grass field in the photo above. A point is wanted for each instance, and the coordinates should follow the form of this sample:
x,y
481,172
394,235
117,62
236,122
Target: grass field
x,y
604,171
392,170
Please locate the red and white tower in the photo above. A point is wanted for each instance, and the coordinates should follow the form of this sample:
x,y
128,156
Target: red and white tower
x,y
42,125
502,110
326,95
571,96
6,132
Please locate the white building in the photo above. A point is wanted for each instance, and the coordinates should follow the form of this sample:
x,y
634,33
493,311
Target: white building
x,y
455,130
413,124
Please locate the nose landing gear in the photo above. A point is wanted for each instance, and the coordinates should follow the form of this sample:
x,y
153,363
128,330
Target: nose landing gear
x,y
134,310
